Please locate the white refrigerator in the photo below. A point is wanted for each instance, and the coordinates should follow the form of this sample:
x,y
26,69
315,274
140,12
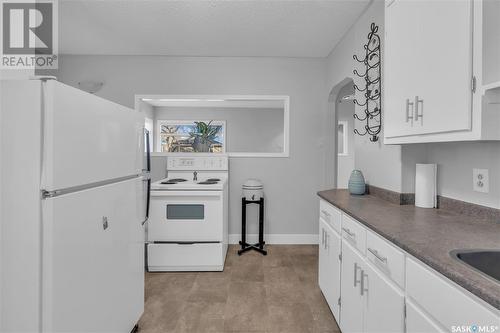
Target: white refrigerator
x,y
74,196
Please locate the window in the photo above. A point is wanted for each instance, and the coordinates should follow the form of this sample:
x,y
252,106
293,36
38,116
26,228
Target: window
x,y
187,136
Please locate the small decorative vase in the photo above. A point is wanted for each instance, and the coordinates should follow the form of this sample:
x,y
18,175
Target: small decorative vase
x,y
357,183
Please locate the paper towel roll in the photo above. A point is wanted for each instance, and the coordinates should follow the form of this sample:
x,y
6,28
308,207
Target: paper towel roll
x,y
426,186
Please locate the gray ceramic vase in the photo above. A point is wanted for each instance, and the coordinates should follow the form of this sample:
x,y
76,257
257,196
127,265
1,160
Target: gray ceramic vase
x,y
357,183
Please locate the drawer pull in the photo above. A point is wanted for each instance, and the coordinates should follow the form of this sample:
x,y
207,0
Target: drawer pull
x,y
349,232
377,255
324,212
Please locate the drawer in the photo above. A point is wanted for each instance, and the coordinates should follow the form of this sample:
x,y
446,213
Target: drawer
x,y
386,257
354,233
446,302
186,257
330,215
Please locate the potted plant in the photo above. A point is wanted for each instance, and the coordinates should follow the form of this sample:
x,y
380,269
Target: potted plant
x,y
204,136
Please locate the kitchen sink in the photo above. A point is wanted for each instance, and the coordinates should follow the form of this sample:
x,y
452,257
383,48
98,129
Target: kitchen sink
x,y
485,261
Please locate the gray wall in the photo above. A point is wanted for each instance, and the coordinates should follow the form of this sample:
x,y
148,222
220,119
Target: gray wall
x,y
290,183
247,129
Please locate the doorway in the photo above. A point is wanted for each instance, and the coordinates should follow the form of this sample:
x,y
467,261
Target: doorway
x,y
344,110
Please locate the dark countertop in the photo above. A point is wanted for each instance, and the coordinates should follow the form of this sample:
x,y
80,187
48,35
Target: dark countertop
x,y
429,235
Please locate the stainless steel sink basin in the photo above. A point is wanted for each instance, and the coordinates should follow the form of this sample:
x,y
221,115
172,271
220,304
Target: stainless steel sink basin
x,y
484,261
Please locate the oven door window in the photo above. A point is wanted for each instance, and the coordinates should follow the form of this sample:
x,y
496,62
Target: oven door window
x,y
185,212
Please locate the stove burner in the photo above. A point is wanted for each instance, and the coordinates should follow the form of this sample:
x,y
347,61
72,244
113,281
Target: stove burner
x,y
213,180
173,181
207,182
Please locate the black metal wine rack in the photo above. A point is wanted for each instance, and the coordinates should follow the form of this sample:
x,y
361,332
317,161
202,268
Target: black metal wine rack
x,y
372,104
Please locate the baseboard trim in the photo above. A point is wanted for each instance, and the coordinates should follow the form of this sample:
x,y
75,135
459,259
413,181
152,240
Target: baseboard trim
x,y
277,238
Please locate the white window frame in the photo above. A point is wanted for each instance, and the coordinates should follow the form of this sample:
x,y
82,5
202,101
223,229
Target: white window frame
x,y
286,119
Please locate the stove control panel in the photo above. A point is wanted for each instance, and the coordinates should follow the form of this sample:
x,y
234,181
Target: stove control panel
x,y
197,163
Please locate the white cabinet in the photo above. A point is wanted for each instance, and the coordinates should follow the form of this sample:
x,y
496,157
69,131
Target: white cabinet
x,y
448,304
329,266
351,312
383,303
433,72
428,67
370,302
383,289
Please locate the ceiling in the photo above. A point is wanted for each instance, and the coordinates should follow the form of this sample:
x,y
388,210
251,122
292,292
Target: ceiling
x,y
286,28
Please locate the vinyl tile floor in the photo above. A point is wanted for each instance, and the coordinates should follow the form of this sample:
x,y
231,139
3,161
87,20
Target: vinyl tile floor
x,y
274,293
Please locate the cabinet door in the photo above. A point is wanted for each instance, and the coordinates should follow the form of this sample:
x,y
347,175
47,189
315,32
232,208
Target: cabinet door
x,y
417,321
428,62
401,25
332,295
323,259
444,62
383,303
351,310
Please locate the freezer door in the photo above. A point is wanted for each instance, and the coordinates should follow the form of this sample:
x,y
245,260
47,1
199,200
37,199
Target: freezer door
x,y
88,139
93,259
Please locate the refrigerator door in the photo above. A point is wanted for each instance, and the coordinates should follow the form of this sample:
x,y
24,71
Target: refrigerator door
x,y
88,139
93,259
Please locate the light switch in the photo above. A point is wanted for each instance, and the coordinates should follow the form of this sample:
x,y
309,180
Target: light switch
x,y
481,180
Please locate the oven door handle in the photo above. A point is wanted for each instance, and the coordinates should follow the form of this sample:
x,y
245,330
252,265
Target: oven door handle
x,y
189,193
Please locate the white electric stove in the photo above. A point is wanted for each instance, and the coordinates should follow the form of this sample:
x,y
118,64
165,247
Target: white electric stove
x,y
188,220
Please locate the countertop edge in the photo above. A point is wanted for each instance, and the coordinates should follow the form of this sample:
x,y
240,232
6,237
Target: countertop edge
x,y
464,283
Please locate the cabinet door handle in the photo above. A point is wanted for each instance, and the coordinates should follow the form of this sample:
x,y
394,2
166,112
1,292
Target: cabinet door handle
x,y
322,237
377,255
409,117
327,243
420,114
362,285
356,267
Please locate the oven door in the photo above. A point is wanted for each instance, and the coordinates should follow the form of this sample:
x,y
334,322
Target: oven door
x,y
186,216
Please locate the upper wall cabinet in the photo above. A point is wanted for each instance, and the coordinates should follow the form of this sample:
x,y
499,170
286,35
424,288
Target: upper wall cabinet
x,y
441,71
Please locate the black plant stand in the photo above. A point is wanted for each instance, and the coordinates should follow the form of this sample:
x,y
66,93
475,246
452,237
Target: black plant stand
x,y
259,247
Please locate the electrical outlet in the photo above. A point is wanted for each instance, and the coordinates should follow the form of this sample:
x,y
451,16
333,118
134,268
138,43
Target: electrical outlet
x,y
481,180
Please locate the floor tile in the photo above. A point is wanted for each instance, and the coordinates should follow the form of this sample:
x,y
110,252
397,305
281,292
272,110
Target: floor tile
x,y
255,293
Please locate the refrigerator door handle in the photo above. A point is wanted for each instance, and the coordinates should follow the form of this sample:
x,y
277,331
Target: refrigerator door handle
x,y
148,151
148,199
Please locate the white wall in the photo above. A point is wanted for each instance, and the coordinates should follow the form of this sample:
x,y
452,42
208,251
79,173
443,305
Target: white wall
x,y
380,164
290,183
247,129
